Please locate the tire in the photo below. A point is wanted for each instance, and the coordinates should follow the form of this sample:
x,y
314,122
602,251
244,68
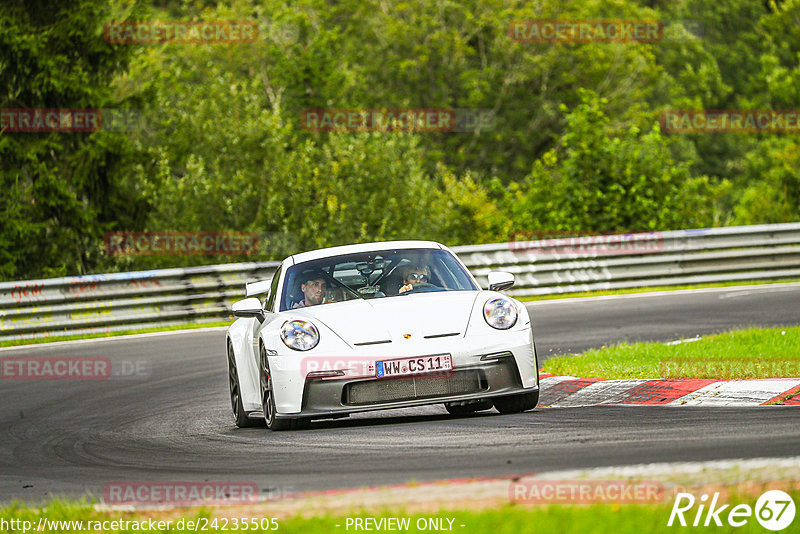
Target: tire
x,y
465,409
516,403
239,415
267,399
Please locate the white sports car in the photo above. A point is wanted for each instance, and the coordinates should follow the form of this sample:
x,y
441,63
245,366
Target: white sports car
x,y
375,326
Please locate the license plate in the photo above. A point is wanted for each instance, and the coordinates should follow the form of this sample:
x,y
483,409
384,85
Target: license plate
x,y
413,366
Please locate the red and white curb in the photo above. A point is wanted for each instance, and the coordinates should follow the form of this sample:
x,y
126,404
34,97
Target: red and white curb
x,y
570,392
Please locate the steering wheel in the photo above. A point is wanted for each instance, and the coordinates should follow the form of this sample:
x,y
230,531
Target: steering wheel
x,y
422,287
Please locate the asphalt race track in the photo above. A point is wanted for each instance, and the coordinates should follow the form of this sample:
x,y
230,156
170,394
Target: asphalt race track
x,y
171,419
570,326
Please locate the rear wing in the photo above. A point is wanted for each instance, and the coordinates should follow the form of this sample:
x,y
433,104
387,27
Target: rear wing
x,y
261,287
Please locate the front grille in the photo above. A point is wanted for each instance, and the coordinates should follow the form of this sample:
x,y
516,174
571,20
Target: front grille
x,y
420,387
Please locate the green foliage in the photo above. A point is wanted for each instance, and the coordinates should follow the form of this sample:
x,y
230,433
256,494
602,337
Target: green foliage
x,y
601,180
59,189
772,194
573,146
466,212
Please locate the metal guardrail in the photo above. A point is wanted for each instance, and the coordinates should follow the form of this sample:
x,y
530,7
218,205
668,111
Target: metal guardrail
x,y
102,303
678,257
80,305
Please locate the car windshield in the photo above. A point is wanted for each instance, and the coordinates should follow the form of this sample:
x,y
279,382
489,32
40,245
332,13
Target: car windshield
x,y
370,275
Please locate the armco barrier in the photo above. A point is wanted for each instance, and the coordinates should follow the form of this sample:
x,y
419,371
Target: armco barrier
x,y
82,305
551,266
99,303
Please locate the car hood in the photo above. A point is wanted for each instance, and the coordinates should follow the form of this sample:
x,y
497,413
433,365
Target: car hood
x,y
362,322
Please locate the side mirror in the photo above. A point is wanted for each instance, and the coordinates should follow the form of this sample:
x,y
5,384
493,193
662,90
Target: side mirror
x,y
499,280
250,307
257,288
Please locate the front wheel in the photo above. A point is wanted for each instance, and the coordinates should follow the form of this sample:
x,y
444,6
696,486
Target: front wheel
x,y
239,415
517,403
268,398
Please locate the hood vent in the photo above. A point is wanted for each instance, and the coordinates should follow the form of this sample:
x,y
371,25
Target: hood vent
x,y
433,336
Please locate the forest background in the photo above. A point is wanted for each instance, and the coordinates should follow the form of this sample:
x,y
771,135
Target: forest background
x,y
573,143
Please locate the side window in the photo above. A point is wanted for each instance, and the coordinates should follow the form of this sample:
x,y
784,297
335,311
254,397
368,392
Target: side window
x,y
273,290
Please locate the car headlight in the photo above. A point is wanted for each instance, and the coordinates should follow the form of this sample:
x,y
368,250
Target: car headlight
x,y
299,335
500,313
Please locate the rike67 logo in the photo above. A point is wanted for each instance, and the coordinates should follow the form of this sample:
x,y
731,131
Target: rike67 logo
x,y
774,510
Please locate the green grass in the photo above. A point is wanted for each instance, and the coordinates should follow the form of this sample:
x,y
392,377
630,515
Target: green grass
x,y
650,289
507,519
739,354
51,339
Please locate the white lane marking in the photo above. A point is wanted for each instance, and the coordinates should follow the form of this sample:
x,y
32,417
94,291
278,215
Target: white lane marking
x,y
113,338
780,288
737,392
754,288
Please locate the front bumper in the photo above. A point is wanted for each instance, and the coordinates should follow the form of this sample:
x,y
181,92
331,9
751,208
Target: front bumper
x,y
483,367
490,378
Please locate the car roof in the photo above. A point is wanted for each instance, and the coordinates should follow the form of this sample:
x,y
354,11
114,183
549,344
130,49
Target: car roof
x,y
361,247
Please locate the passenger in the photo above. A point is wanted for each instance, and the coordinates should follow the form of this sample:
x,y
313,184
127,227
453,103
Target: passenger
x,y
414,274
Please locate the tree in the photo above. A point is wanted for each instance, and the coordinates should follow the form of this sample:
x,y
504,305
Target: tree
x,y
602,180
60,190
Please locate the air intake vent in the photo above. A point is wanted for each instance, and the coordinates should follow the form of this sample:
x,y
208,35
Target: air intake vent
x,y
420,387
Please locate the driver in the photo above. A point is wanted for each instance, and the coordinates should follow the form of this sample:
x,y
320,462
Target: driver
x,y
314,288
413,274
